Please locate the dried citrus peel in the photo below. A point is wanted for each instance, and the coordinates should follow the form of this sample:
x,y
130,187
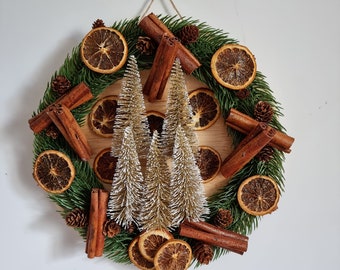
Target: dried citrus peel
x,y
258,195
233,66
53,171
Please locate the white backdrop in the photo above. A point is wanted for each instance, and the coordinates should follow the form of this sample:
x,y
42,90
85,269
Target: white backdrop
x,y
297,46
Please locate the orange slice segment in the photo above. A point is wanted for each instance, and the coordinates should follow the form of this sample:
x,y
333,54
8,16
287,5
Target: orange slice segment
x,y
104,50
136,257
205,108
175,254
209,162
53,171
104,166
150,241
233,66
155,120
258,195
102,116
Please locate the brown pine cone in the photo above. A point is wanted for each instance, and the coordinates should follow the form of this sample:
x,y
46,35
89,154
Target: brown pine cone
x,y
188,34
146,45
242,94
266,153
111,228
263,112
52,131
77,218
98,23
61,84
204,253
131,228
223,218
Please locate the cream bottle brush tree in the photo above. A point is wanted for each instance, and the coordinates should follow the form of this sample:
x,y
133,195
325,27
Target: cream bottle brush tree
x,y
156,213
187,190
128,183
178,112
131,111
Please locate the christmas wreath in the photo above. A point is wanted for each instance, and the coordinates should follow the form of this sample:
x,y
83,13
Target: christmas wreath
x,y
250,113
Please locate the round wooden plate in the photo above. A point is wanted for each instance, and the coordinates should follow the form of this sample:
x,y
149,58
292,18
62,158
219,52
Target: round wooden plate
x,y
215,136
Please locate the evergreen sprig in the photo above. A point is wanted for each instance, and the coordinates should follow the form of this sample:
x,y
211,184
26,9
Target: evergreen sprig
x,y
210,39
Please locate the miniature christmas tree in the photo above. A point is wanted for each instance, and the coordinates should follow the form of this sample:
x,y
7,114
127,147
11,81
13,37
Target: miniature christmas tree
x,y
131,112
178,112
187,191
127,185
155,213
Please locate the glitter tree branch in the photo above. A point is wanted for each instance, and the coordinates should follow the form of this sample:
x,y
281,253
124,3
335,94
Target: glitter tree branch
x,y
155,213
127,185
187,191
179,112
131,112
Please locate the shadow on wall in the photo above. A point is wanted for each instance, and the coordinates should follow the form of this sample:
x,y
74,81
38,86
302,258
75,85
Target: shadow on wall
x,y
24,184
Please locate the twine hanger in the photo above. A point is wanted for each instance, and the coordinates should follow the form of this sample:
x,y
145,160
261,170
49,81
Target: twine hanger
x,y
150,4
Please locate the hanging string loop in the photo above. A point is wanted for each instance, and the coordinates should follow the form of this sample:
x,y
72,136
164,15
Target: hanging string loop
x,y
148,7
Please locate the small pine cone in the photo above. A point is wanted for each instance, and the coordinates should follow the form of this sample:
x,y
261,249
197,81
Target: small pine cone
x,y
111,228
77,218
204,253
131,228
223,218
98,23
265,154
188,34
263,112
242,94
61,84
52,131
146,45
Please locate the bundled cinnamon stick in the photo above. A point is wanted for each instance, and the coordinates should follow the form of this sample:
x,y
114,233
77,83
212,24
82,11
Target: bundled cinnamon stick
x,y
155,29
244,123
161,68
248,148
214,236
62,117
77,96
95,237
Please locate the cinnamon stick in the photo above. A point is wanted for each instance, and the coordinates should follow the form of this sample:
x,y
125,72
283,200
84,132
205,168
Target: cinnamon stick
x,y
95,238
161,68
155,29
102,207
255,131
207,227
244,123
77,96
248,150
235,245
62,117
92,230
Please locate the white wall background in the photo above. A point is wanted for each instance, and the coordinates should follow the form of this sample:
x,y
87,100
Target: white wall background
x,y
297,46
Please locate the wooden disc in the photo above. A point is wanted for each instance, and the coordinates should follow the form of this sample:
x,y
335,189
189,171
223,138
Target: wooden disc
x,y
216,136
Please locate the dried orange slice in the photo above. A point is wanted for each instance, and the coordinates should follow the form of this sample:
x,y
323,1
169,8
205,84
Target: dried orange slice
x,y
102,116
150,241
104,50
233,66
104,166
205,108
53,171
155,120
136,257
258,195
175,254
209,162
